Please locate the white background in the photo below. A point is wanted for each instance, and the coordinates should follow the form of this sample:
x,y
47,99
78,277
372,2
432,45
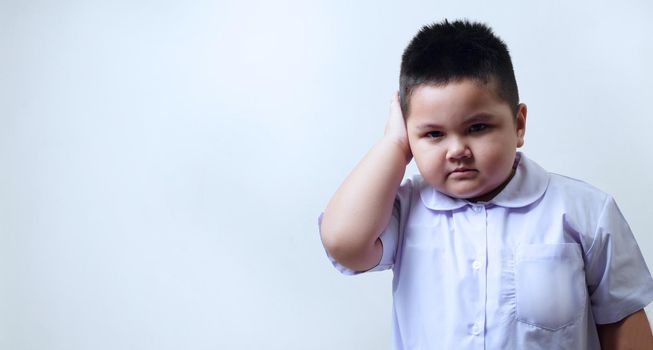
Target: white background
x,y
163,163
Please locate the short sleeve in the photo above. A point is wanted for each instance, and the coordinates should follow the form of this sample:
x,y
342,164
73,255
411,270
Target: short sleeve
x,y
390,235
618,279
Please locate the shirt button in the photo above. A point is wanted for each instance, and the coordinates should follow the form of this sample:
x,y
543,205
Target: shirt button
x,y
476,264
476,329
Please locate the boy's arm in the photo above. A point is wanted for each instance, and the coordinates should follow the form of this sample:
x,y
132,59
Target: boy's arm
x,y
361,207
633,332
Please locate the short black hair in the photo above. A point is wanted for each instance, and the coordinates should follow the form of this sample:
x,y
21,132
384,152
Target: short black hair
x,y
446,52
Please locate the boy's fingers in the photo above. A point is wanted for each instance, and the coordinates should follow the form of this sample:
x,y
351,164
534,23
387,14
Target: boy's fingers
x,y
395,107
395,127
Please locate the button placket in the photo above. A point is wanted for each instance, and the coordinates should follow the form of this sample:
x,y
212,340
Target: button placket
x,y
477,265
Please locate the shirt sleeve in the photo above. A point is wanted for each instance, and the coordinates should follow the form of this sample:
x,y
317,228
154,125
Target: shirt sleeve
x,y
618,279
390,235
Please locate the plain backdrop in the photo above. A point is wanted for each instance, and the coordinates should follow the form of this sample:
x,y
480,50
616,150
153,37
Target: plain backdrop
x,y
163,163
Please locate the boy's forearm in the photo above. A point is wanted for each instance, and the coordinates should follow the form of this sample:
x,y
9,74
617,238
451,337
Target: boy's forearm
x,y
633,332
361,207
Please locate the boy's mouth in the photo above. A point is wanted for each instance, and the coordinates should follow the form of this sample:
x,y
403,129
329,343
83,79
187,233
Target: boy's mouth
x,y
462,172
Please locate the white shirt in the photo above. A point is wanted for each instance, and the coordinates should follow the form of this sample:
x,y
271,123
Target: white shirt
x,y
536,267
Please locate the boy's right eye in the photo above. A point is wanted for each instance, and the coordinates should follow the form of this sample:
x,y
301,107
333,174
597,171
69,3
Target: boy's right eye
x,y
434,134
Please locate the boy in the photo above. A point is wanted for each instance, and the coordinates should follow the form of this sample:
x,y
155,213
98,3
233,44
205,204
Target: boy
x,y
488,250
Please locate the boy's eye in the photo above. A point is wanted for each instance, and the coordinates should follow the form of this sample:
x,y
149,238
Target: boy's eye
x,y
434,134
477,127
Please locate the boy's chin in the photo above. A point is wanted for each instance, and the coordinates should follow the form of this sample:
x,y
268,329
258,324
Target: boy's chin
x,y
472,195
473,191
465,195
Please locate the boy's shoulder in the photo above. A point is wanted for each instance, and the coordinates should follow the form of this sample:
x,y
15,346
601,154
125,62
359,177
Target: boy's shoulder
x,y
560,187
574,189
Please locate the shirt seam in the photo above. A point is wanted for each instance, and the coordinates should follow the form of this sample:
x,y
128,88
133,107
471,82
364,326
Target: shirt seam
x,y
590,251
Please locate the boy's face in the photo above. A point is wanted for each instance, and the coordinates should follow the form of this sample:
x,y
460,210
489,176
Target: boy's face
x,y
464,137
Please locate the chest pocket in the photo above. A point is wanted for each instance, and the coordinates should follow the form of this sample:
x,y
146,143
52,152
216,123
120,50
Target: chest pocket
x,y
550,285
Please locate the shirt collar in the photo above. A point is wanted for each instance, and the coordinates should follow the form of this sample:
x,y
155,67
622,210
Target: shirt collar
x,y
527,185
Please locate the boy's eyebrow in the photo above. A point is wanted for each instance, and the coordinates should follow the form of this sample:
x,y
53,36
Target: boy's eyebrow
x,y
428,126
473,118
478,117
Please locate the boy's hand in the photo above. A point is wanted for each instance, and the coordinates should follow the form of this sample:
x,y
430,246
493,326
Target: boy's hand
x,y
395,128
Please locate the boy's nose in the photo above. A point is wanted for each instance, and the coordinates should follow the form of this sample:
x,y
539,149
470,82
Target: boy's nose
x,y
458,149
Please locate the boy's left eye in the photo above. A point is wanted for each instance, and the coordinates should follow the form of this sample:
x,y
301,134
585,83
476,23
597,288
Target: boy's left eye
x,y
477,127
434,134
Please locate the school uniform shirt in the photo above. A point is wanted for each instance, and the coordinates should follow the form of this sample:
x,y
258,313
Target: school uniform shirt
x,y
536,267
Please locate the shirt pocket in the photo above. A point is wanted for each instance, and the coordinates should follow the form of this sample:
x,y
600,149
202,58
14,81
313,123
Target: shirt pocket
x,y
550,285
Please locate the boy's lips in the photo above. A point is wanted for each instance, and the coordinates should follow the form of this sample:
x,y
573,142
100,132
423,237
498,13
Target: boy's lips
x,y
463,172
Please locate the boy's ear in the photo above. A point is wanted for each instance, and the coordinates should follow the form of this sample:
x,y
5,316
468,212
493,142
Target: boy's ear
x,y
520,122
